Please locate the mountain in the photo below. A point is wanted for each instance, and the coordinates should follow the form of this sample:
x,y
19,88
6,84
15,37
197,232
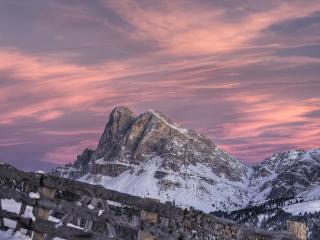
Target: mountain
x,y
284,187
149,155
287,175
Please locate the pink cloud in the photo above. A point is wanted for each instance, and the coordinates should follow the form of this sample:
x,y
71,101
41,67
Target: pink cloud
x,y
66,154
192,29
70,133
200,62
264,114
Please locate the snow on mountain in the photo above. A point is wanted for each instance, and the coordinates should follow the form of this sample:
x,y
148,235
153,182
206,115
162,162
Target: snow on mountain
x,y
13,206
303,207
9,235
289,174
194,185
151,156
283,187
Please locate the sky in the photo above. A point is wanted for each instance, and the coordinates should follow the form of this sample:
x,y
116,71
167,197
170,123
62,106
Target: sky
x,y
244,73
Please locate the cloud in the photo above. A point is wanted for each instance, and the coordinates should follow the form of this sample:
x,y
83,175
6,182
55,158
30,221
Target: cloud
x,y
59,88
236,71
191,28
51,86
313,114
66,154
69,133
268,123
12,142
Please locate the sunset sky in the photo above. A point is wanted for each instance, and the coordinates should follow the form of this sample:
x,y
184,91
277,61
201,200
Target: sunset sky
x,y
245,73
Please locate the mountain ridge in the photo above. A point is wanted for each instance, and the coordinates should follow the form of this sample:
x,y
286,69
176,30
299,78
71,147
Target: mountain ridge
x,y
150,155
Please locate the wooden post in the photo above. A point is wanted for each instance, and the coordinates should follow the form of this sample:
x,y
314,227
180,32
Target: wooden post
x,y
298,229
88,225
1,219
43,213
106,210
151,218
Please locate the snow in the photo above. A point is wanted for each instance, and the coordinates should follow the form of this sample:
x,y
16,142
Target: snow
x,y
196,186
34,195
100,161
9,235
256,195
13,206
91,206
59,224
172,125
311,193
293,155
287,162
303,207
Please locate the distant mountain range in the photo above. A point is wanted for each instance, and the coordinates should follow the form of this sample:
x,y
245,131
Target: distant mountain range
x,y
149,155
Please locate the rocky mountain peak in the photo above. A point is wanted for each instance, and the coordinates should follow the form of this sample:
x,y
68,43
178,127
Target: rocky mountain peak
x,y
133,140
281,161
287,174
120,120
150,155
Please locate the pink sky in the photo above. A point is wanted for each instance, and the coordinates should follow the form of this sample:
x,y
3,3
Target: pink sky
x,y
244,73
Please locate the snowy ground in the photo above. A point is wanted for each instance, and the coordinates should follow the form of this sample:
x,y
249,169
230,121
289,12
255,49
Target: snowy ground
x,y
304,207
13,206
196,186
10,236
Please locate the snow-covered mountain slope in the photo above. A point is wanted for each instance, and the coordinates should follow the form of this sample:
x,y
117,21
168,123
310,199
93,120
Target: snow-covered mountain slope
x,y
300,208
193,185
283,187
287,175
149,155
274,214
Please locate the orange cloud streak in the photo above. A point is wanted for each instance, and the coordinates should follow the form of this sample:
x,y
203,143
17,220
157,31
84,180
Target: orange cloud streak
x,y
192,29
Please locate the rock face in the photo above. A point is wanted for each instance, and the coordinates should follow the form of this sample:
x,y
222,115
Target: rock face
x,y
83,160
149,155
132,140
284,187
286,175
120,121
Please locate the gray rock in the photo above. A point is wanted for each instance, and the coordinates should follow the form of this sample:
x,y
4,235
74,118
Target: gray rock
x,y
111,170
157,155
287,173
130,139
129,142
133,140
83,160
